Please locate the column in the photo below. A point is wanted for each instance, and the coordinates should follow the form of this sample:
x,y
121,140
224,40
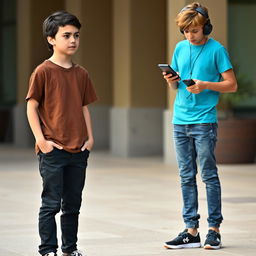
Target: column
x,y
139,43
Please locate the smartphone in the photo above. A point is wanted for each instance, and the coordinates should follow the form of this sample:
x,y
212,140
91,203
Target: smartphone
x,y
167,68
188,82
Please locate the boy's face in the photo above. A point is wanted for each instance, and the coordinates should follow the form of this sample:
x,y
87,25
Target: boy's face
x,y
195,35
66,40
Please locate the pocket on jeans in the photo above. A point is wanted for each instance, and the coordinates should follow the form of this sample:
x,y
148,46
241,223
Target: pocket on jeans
x,y
48,153
87,151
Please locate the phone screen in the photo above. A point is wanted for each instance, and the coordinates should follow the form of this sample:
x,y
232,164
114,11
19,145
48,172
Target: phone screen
x,y
167,68
188,82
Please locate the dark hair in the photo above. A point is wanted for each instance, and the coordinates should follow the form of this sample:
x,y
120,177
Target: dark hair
x,y
58,19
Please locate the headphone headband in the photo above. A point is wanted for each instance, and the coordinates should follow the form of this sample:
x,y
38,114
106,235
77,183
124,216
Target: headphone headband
x,y
198,9
203,12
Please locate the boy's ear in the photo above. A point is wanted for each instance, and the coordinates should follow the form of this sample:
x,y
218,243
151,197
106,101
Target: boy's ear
x,y
51,40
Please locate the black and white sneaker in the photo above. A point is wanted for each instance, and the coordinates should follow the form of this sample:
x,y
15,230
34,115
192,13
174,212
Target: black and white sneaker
x,y
184,240
50,254
74,253
213,240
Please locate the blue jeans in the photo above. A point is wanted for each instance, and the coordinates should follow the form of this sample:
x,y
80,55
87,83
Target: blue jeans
x,y
63,176
196,143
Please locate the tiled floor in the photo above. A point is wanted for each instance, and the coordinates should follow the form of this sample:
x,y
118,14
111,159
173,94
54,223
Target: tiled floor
x,y
130,207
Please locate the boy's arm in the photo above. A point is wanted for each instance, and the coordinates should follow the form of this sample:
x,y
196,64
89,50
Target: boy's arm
x,y
89,143
34,122
228,84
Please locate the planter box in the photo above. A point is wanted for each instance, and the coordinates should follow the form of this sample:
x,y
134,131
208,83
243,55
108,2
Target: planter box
x,y
236,141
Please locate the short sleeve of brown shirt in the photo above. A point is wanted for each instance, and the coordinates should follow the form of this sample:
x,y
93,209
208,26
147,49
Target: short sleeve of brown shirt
x,y
61,94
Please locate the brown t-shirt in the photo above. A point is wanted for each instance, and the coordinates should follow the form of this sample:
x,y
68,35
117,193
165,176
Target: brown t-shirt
x,y
61,94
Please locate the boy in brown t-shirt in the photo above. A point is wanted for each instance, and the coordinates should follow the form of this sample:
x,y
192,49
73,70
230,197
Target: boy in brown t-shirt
x,y
59,92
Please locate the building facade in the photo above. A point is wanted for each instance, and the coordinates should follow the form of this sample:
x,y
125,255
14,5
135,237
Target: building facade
x,y
122,41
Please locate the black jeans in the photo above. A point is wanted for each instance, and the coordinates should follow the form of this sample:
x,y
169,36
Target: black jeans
x,y
63,176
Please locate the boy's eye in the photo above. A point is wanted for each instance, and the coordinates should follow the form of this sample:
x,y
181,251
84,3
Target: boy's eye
x,y
67,36
192,31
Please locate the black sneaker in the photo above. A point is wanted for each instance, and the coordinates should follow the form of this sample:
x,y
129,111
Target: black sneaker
x,y
50,254
213,240
184,240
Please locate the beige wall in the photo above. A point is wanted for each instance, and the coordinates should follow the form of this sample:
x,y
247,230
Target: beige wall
x,y
121,52
139,43
148,48
98,47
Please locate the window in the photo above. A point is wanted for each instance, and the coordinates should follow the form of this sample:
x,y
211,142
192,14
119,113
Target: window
x,y
7,52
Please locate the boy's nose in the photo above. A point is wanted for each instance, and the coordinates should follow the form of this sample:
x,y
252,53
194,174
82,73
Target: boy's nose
x,y
190,37
73,38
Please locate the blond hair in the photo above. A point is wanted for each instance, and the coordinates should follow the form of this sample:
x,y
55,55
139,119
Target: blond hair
x,y
190,17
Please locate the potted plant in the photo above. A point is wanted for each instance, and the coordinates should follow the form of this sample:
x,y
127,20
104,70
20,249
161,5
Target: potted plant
x,y
237,133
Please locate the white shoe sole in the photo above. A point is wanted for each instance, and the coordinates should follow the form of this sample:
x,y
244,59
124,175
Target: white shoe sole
x,y
211,247
181,246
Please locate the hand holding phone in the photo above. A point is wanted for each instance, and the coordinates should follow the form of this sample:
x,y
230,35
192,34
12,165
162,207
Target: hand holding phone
x,y
168,70
188,82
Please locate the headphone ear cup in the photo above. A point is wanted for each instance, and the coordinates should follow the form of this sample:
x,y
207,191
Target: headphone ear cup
x,y
207,28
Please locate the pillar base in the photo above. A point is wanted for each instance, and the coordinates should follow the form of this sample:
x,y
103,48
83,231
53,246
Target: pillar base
x,y
22,135
136,131
168,143
100,123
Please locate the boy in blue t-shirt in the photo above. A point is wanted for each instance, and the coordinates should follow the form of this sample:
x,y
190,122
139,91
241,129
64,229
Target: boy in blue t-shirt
x,y
207,63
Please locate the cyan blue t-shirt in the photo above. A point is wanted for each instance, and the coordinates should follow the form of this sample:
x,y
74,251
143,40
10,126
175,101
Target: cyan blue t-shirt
x,y
213,60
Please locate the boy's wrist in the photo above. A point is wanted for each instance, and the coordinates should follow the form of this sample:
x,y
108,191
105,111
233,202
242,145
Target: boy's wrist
x,y
40,139
206,85
91,140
